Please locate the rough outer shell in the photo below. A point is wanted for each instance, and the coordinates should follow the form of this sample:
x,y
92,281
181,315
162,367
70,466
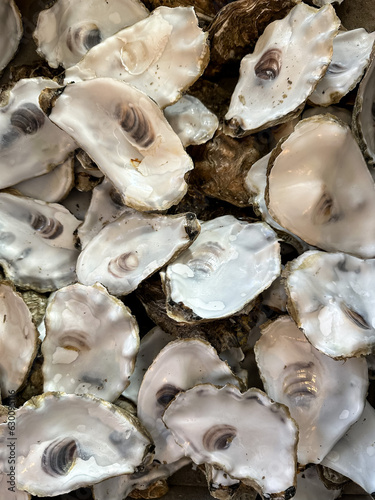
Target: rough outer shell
x,y
18,340
319,188
66,441
331,299
227,251
36,243
363,114
179,365
10,31
191,120
67,30
237,433
354,454
145,53
127,136
221,165
51,187
121,267
91,342
118,488
237,27
324,396
30,144
280,72
351,55
342,114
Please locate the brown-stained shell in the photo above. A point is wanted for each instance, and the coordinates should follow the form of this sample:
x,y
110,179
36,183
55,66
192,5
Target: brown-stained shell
x,y
155,490
236,28
222,164
222,334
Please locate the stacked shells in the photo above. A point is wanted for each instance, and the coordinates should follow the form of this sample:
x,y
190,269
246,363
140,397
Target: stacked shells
x,y
187,265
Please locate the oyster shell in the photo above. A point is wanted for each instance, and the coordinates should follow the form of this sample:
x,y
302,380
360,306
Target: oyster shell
x,y
144,54
320,189
91,342
226,251
30,144
191,120
127,136
279,72
296,374
18,340
123,266
330,298
311,487
66,441
237,433
36,243
51,187
10,32
179,365
363,114
354,454
351,55
68,29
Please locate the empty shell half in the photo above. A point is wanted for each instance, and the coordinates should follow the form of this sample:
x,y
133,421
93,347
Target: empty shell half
x,y
228,266
127,136
91,342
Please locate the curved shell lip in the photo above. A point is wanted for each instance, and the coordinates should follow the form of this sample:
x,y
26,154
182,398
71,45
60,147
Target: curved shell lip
x,y
294,313
289,493
18,18
37,340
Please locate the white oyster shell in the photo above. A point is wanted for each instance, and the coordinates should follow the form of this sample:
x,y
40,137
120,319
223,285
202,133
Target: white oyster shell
x,y
10,31
320,189
67,30
332,301
36,243
247,435
151,344
198,283
311,487
66,441
18,340
121,267
91,342
30,144
128,137
363,114
51,187
342,114
161,55
289,59
191,120
351,55
354,455
324,396
106,205
179,365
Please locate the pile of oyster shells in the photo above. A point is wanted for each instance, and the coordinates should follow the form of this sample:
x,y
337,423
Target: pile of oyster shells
x,y
187,255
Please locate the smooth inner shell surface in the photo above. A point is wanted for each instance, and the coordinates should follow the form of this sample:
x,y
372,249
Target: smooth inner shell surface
x,y
332,301
320,189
